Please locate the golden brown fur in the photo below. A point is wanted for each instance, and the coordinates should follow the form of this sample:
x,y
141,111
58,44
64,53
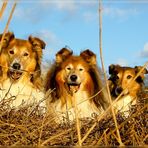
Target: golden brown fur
x,y
121,80
75,77
27,53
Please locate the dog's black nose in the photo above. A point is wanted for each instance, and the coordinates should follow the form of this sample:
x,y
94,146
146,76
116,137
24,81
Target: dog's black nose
x,y
73,78
118,90
16,66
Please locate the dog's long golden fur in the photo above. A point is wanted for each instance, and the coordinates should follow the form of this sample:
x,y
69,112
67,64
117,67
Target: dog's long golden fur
x,y
75,77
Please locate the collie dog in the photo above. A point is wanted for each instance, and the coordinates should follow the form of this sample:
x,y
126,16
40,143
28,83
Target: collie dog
x,y
122,79
20,75
75,80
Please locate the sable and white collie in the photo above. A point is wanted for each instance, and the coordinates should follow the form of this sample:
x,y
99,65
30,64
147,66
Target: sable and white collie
x,y
20,75
121,79
75,80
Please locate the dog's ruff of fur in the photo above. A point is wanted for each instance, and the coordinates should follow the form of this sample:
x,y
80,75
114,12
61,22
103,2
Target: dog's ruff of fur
x,y
21,94
68,91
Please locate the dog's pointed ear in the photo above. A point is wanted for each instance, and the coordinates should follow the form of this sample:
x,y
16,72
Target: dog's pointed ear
x,y
62,55
38,45
7,38
89,57
113,69
140,78
138,68
36,42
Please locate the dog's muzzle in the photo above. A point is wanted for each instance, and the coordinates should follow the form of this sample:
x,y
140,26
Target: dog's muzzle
x,y
15,71
119,90
73,84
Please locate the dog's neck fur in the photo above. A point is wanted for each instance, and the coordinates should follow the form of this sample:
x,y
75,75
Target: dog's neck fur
x,y
21,91
66,103
124,104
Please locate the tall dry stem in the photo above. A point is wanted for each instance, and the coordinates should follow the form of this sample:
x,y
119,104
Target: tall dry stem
x,y
3,8
8,22
77,122
105,77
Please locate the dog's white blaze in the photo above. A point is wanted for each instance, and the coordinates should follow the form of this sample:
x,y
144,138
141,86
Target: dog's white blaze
x,y
85,108
124,103
21,94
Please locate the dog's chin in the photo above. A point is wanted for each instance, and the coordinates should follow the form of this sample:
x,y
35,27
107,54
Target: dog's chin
x,y
15,75
73,87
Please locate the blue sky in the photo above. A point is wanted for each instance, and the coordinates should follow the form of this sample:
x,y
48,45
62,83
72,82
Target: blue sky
x,y
75,23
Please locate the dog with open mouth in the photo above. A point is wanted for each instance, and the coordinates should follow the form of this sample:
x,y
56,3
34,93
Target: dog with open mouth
x,y
75,79
20,61
121,80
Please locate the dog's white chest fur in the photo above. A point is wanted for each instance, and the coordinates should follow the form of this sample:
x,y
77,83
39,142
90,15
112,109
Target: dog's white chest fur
x,y
124,103
20,94
85,108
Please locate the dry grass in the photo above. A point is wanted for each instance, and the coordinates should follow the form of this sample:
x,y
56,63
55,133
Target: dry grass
x,y
28,126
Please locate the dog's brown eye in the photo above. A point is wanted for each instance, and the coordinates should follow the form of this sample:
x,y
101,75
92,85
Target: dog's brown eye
x,y
81,69
129,76
26,54
11,52
68,68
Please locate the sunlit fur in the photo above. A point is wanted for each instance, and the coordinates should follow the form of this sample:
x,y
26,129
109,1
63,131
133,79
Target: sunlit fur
x,y
121,79
74,79
24,83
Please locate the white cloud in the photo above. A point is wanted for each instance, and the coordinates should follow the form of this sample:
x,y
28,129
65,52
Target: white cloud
x,y
48,36
35,12
66,5
120,12
90,16
31,14
144,52
122,62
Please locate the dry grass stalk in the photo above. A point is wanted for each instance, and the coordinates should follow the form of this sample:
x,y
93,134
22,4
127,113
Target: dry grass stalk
x,y
77,122
7,24
105,77
3,8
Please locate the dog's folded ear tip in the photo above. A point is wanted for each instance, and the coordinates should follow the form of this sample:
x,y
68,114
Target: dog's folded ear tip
x,y
62,54
111,65
111,68
89,56
138,68
36,40
7,38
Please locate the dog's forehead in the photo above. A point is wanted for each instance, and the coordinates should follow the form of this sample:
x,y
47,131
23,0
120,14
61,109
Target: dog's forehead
x,y
129,71
18,43
126,70
123,69
75,61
